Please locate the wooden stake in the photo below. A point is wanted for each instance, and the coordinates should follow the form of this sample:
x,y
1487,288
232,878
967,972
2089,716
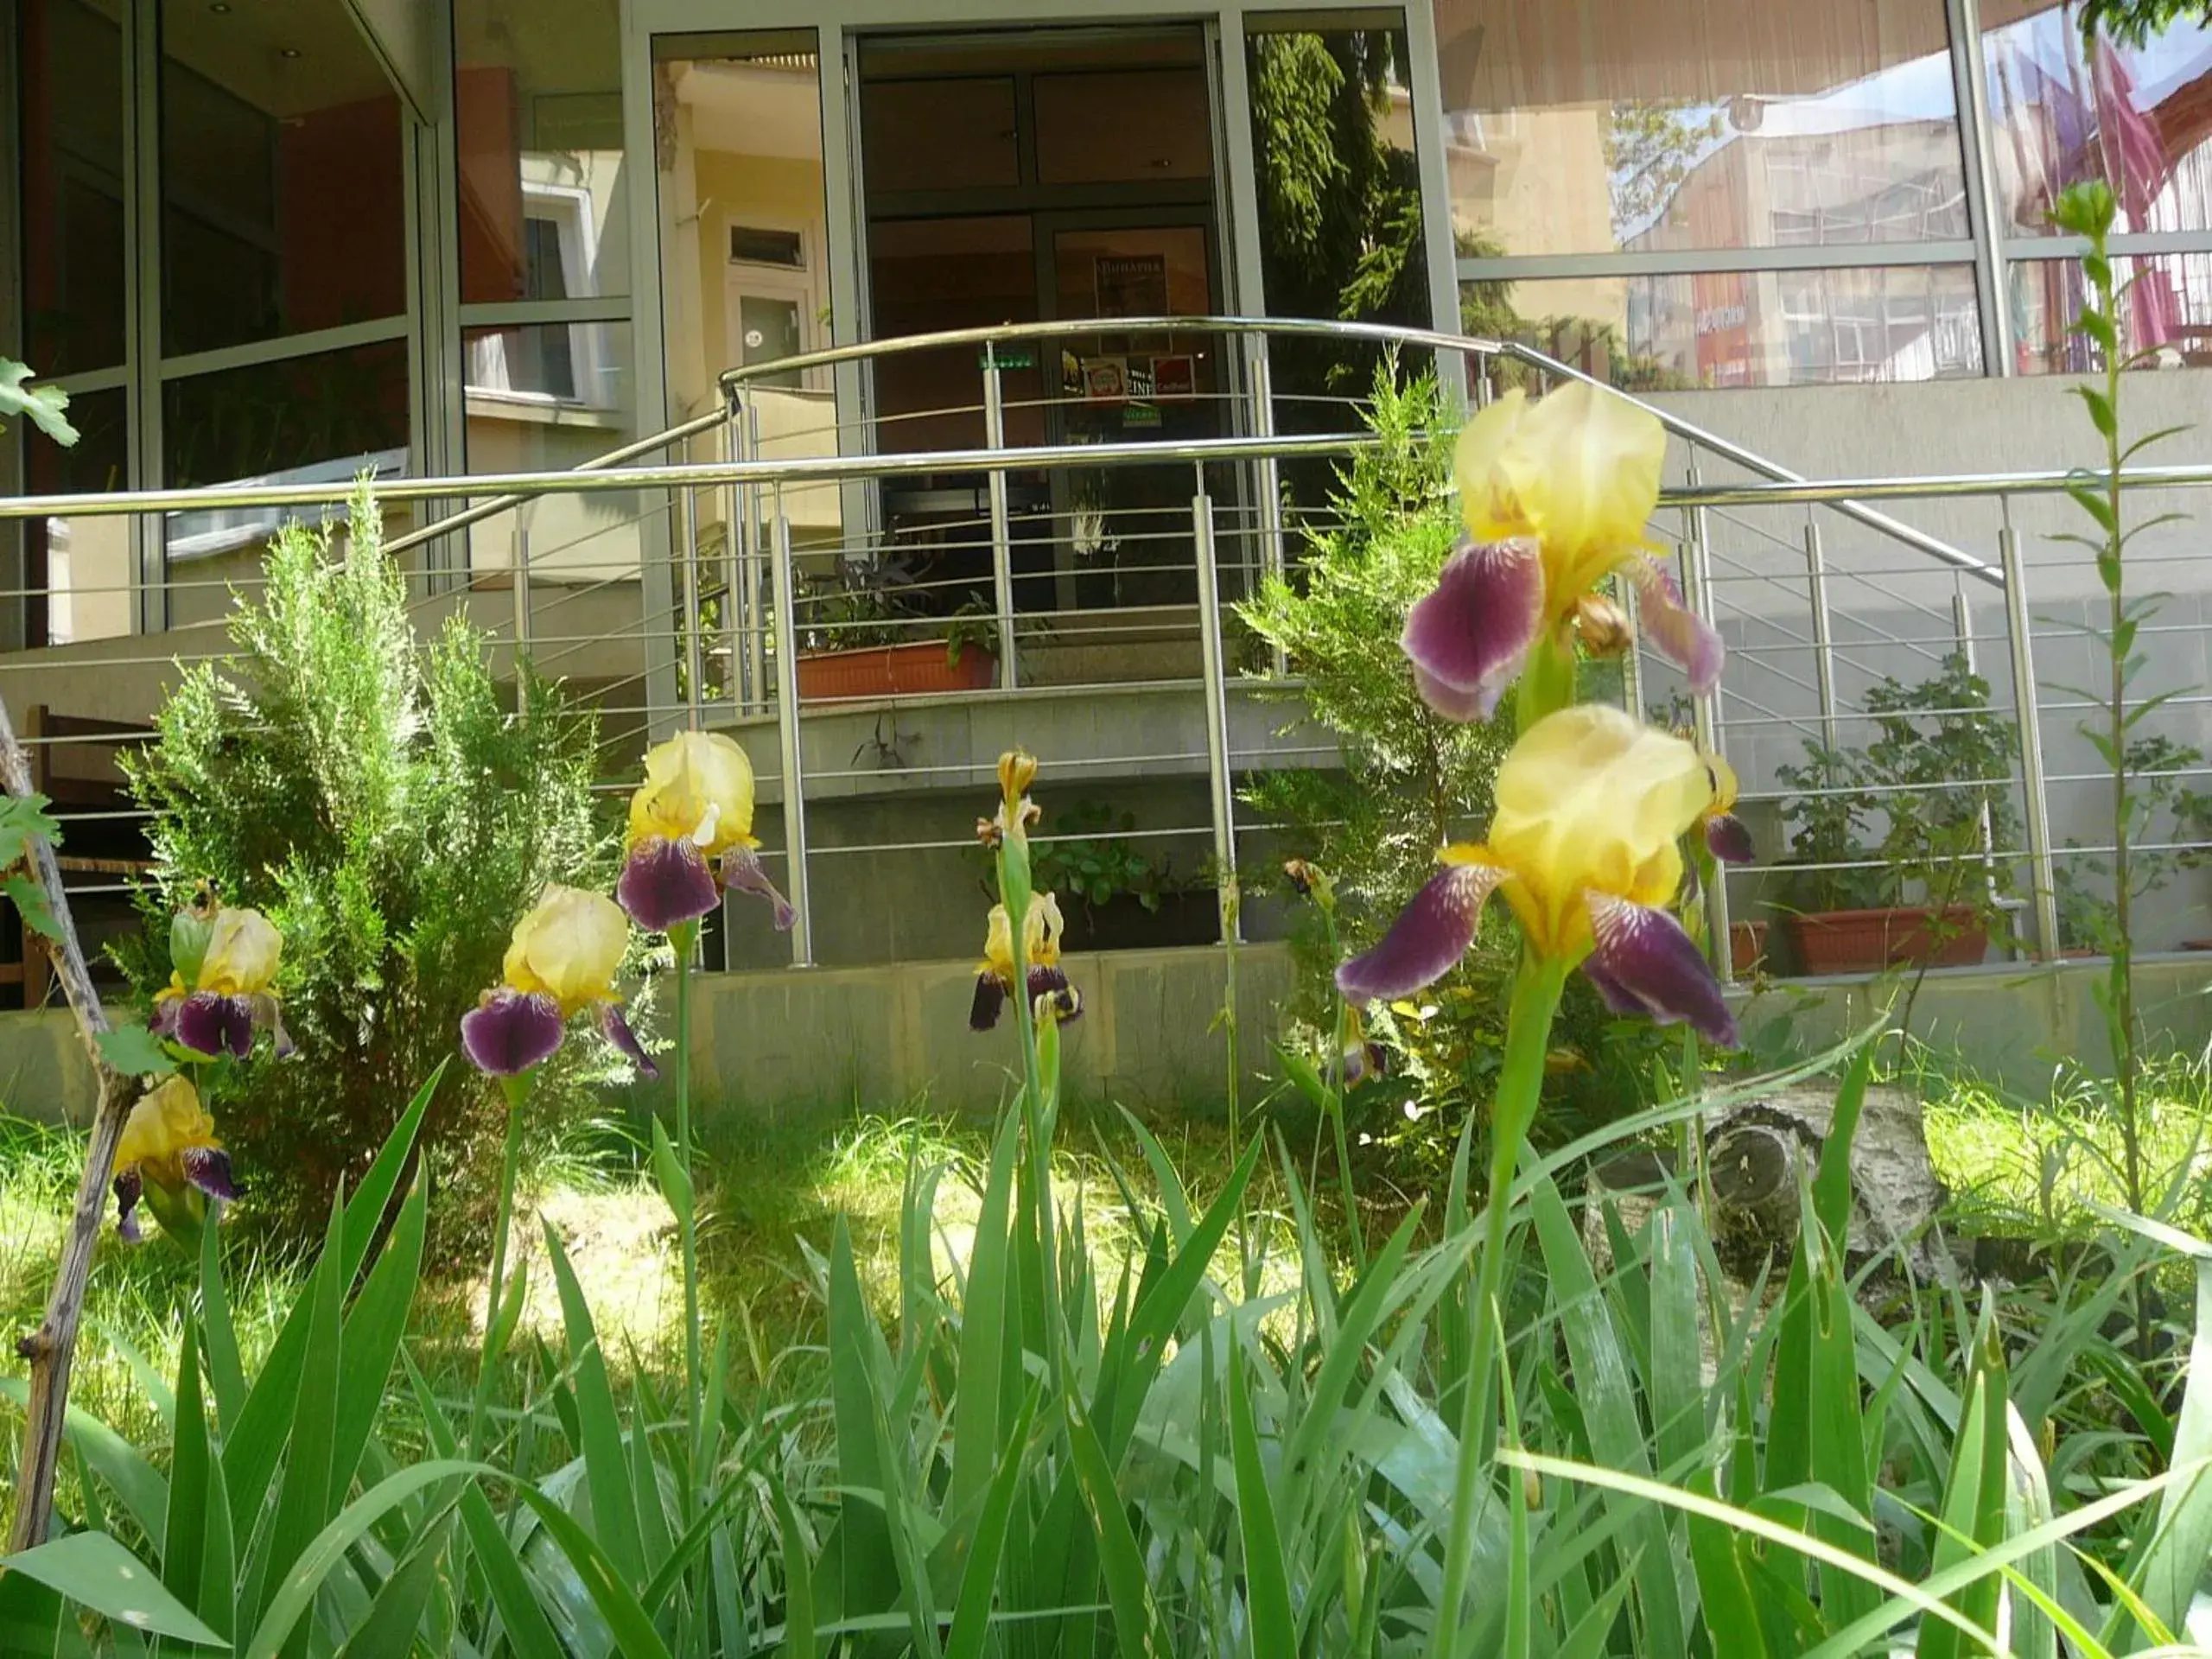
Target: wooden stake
x,y
52,1347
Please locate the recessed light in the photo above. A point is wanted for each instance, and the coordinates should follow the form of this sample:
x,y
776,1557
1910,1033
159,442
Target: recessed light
x,y
221,8
288,50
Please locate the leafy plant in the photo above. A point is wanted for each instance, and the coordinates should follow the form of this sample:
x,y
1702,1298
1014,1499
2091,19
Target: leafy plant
x,y
391,812
2165,809
1925,803
1085,855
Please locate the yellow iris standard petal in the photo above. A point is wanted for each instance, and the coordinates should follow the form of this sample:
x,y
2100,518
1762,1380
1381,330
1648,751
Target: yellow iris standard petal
x,y
699,788
1040,937
1590,799
1577,470
243,951
167,1122
569,946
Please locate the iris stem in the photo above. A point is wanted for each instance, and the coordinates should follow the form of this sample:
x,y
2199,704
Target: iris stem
x,y
517,1092
1513,1108
1015,888
682,937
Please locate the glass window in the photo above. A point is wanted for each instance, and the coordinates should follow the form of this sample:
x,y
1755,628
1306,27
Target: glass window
x,y
949,133
1600,126
2061,112
331,414
283,196
2168,313
71,151
78,570
547,398
1122,126
537,96
1743,328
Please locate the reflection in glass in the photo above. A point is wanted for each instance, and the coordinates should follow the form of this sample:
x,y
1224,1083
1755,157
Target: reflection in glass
x,y
78,570
2168,313
1122,126
537,99
71,151
331,415
2062,112
282,198
547,398
1745,328
942,133
1590,126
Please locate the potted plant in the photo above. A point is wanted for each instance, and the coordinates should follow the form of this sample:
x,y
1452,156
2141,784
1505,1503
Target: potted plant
x,y
1114,893
862,632
1921,810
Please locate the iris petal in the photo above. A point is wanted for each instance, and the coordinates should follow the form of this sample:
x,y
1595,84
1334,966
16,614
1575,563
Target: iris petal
x,y
209,1024
1645,963
508,1033
127,1187
1431,933
990,1002
1469,637
1050,981
270,1015
742,873
1728,839
208,1168
664,883
616,1029
1683,636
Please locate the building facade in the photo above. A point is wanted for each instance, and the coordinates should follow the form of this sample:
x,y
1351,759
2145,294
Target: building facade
x,y
286,241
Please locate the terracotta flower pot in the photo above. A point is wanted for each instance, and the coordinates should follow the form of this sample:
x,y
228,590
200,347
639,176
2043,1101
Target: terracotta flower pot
x,y
1866,941
918,669
1746,947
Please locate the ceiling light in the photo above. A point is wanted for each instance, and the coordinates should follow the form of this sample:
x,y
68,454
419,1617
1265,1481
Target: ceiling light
x,y
221,8
288,50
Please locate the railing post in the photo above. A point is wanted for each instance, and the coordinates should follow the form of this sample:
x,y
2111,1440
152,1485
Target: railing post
x,y
736,545
1816,589
694,656
1260,382
787,740
522,588
1215,700
1002,538
1697,569
2027,714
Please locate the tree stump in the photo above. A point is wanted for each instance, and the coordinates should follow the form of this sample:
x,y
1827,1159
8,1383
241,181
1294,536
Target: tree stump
x,y
1761,1153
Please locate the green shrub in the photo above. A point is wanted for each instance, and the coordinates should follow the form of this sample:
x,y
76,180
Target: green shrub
x,y
1411,780
392,810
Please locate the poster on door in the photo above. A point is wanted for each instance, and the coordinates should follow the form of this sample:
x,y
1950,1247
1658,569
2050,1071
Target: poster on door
x,y
1130,284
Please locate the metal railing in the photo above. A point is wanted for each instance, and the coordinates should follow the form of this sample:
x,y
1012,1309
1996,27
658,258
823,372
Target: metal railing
x,y
687,578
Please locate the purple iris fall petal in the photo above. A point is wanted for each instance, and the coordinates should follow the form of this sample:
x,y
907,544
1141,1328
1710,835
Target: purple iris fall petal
x,y
208,1024
508,1033
1469,637
127,1187
990,1000
162,1023
208,1168
1067,1006
1683,636
1431,933
742,873
1643,958
666,882
616,1029
1728,839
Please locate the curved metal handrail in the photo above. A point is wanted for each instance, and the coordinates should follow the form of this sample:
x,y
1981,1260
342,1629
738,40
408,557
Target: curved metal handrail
x,y
733,380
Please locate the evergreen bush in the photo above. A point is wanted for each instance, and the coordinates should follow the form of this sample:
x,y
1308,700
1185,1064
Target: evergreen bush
x,y
392,809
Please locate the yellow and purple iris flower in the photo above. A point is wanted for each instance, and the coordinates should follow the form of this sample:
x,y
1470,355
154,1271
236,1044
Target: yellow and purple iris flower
x,y
1555,495
695,808
1040,951
1586,846
561,961
224,961
170,1157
